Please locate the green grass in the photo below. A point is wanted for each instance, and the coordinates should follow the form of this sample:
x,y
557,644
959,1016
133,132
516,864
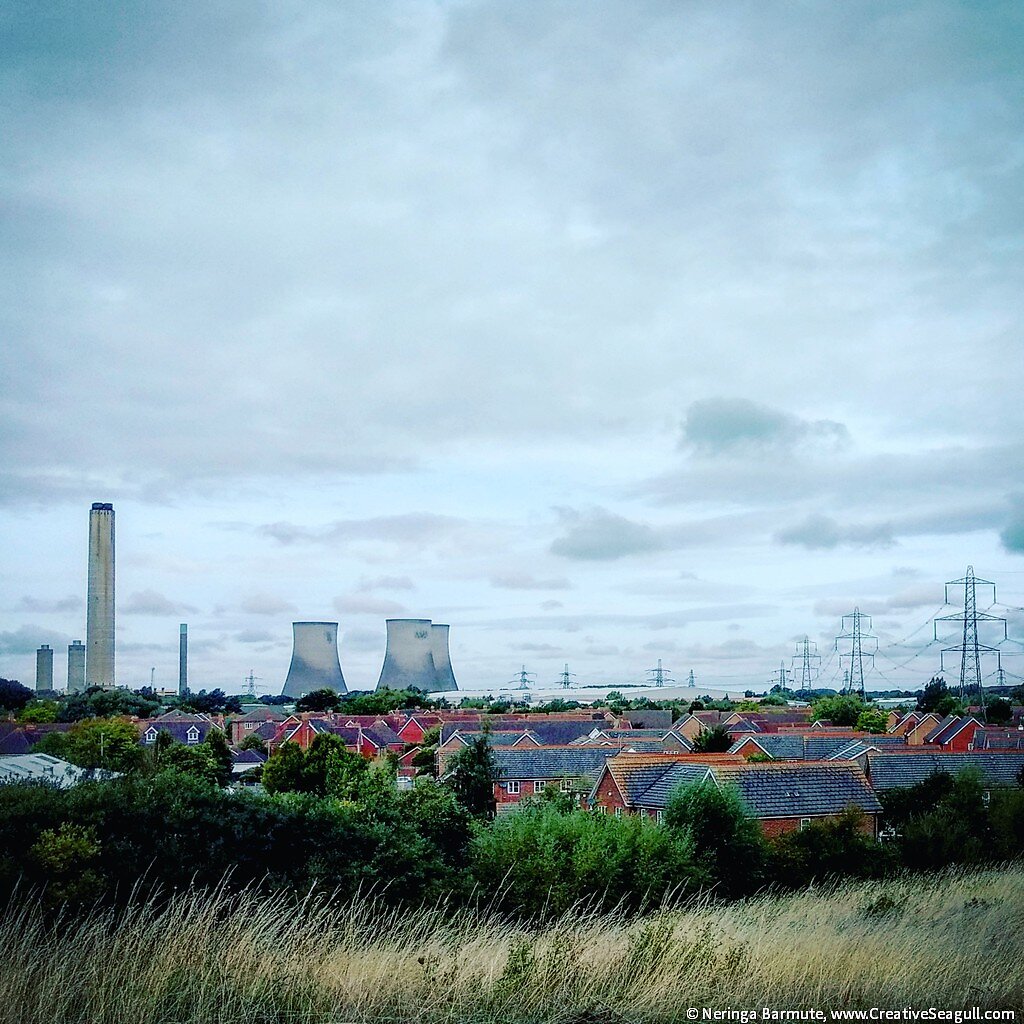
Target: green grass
x,y
951,941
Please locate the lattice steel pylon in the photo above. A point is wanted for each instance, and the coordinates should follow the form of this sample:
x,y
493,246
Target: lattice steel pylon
x,y
970,648
781,677
659,675
691,683
855,682
523,678
565,679
804,656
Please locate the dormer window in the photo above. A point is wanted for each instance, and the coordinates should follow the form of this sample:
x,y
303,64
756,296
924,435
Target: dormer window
x,y
150,735
192,735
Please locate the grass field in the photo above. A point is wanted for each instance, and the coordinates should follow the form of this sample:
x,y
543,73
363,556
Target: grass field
x,y
948,941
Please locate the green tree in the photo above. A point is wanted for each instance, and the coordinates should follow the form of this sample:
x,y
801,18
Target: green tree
x,y
198,761
832,848
727,842
216,744
39,711
252,742
284,771
319,701
841,710
14,696
998,710
66,857
713,741
471,774
107,743
872,720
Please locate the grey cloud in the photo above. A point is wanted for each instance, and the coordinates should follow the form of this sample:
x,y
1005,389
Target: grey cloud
x,y
527,581
149,602
26,639
1012,534
385,583
716,426
362,605
549,606
823,532
266,604
363,640
600,535
410,528
255,636
64,604
551,649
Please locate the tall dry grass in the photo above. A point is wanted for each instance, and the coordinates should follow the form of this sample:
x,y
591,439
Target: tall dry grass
x,y
949,941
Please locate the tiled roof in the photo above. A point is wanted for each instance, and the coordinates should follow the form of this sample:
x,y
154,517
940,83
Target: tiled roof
x,y
551,762
260,714
249,757
15,742
992,739
940,727
648,719
800,790
178,729
896,771
661,787
954,728
811,746
36,767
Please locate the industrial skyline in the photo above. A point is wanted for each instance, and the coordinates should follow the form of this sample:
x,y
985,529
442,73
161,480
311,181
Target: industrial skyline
x,y
606,333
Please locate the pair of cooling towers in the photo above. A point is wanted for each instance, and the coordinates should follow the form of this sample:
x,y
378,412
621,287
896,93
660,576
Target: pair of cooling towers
x,y
416,658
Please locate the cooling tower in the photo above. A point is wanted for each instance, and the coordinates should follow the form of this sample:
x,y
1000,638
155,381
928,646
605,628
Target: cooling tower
x,y
442,659
99,611
76,667
44,668
315,664
409,658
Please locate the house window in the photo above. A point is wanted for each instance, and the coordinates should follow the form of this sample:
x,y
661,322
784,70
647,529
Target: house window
x,y
618,812
150,735
192,735
986,797
566,785
539,786
659,816
512,787
804,822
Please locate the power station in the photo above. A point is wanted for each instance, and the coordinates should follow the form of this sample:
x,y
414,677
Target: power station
x,y
99,612
315,664
417,657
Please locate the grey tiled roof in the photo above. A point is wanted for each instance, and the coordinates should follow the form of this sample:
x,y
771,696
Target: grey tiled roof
x,y
812,746
896,771
781,791
668,779
560,763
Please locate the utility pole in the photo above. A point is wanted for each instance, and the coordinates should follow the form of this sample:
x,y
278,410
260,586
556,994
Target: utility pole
x,y
659,675
804,656
970,648
856,636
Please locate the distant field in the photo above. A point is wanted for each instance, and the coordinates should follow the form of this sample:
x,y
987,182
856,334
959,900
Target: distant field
x,y
949,941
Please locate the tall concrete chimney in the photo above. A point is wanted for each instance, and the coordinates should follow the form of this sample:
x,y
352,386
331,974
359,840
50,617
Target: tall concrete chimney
x,y
99,612
315,664
409,658
442,658
44,668
76,666
183,659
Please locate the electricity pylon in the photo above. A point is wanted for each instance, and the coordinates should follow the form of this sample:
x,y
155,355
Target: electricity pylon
x,y
804,656
856,636
566,678
659,675
970,648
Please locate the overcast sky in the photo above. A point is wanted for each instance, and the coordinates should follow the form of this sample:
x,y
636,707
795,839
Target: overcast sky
x,y
603,331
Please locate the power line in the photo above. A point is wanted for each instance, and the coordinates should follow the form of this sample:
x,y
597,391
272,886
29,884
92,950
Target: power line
x,y
856,636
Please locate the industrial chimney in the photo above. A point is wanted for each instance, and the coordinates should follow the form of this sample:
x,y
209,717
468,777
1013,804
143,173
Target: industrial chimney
x,y
315,664
183,659
44,668
442,659
409,658
99,610
76,666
